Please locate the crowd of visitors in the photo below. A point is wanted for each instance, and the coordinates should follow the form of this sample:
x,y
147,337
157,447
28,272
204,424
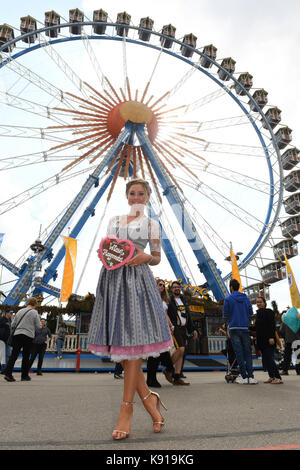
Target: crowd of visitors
x,y
32,337
25,333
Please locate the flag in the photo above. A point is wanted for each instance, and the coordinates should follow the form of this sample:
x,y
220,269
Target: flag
x,y
1,238
235,269
295,298
69,269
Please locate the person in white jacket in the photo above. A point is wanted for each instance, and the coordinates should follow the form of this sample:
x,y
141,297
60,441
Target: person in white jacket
x,y
25,323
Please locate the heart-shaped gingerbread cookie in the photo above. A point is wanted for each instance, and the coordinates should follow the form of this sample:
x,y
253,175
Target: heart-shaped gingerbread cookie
x,y
114,253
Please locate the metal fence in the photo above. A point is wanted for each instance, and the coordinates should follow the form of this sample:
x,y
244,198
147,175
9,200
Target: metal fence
x,y
73,342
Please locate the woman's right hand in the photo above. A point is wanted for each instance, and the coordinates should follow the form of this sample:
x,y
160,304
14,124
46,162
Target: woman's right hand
x,y
139,258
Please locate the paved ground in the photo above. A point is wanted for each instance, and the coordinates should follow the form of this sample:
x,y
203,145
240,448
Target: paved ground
x,y
78,411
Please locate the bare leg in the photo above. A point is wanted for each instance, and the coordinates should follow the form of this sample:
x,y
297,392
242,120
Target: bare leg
x,y
131,374
178,360
176,356
151,403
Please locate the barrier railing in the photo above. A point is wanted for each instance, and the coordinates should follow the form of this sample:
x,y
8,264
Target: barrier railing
x,y
216,344
73,342
70,343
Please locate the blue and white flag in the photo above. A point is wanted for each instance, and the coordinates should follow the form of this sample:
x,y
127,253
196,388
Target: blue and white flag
x,y
1,238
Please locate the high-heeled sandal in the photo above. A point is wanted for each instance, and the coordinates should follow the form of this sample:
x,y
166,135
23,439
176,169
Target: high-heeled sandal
x,y
268,381
158,403
125,434
276,381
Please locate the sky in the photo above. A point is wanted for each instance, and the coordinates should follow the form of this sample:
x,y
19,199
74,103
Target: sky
x,y
262,36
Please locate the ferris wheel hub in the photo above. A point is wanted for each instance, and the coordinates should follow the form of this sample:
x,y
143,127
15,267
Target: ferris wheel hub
x,y
136,112
132,111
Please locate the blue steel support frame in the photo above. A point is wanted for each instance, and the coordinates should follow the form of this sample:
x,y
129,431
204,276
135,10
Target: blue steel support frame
x,y
24,283
205,263
167,245
169,251
50,272
10,266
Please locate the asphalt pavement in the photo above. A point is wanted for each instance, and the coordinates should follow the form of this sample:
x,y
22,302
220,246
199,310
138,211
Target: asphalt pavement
x,y
78,411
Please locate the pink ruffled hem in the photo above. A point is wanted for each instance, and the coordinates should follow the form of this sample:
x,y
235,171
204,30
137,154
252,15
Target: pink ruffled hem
x,y
131,352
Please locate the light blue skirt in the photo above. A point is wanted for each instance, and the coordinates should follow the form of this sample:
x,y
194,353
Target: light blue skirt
x,y
128,319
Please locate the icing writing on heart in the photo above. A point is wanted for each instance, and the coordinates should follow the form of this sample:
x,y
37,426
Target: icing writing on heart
x,y
114,253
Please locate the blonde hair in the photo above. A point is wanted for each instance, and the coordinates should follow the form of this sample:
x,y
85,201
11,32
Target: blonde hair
x,y
144,183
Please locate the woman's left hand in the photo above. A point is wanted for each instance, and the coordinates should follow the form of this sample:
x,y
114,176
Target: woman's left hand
x,y
139,258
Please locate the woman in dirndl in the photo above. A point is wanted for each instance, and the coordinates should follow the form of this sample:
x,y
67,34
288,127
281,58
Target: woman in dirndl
x,y
128,321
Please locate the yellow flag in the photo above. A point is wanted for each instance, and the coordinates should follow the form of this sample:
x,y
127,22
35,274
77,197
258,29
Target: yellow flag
x,y
235,269
295,298
69,270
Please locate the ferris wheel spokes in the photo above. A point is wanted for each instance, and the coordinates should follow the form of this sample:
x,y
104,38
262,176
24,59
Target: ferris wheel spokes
x,y
125,71
182,81
39,188
65,68
204,100
207,229
25,281
46,232
228,205
233,176
50,271
19,161
28,106
37,81
203,164
152,75
171,147
29,132
194,128
206,264
94,61
233,149
178,263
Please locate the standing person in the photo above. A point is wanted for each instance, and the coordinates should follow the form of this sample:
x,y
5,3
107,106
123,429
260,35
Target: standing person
x,y
39,346
118,371
164,358
289,337
180,316
5,326
265,328
229,351
128,320
60,339
237,309
25,322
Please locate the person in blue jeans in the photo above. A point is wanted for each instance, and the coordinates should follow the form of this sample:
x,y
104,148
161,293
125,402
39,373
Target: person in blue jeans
x,y
237,310
61,333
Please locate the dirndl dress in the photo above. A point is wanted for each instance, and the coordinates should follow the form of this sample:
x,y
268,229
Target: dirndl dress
x,y
128,319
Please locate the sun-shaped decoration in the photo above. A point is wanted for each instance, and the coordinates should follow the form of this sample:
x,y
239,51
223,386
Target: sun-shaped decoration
x,y
101,119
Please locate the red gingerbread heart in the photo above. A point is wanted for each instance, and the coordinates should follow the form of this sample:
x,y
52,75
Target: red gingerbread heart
x,y
114,253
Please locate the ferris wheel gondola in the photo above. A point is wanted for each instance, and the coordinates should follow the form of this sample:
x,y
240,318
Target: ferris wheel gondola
x,y
189,156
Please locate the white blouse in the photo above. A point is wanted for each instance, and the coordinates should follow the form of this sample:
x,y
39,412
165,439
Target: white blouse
x,y
140,231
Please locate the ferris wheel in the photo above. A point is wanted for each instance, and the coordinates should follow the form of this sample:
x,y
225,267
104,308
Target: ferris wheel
x,y
89,103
